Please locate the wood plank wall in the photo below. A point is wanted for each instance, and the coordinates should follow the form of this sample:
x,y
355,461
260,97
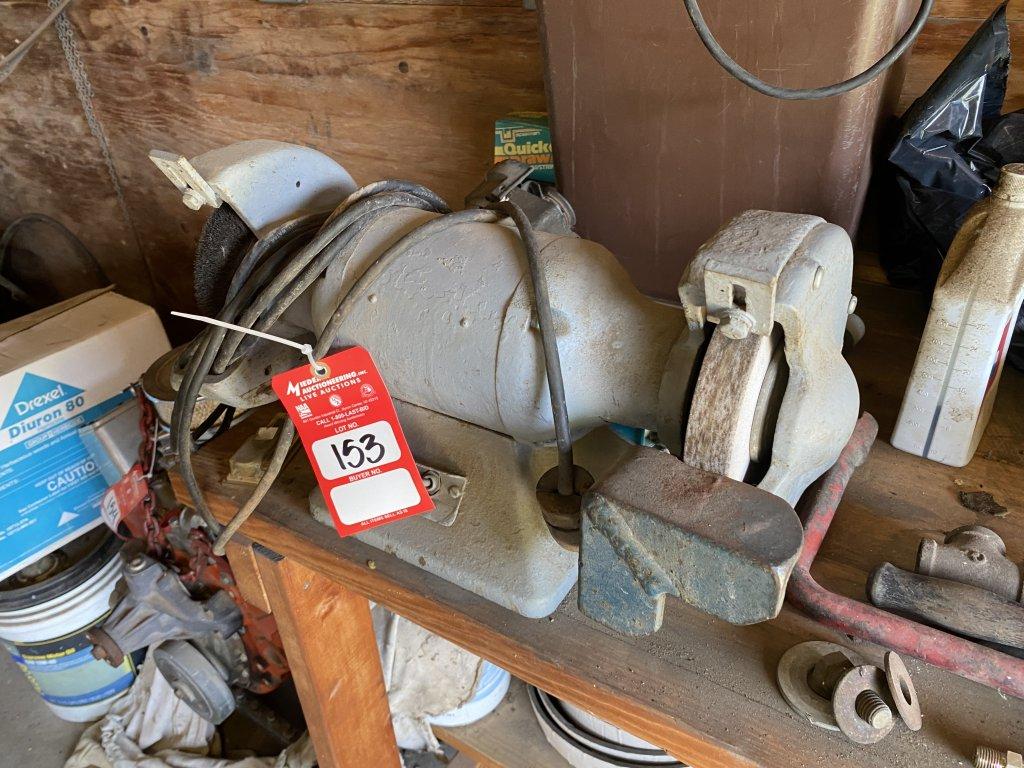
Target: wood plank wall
x,y
951,25
400,87
406,89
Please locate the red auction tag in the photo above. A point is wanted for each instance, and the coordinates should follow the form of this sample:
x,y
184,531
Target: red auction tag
x,y
123,497
349,428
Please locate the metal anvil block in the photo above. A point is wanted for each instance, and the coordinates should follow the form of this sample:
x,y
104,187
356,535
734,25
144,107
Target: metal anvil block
x,y
655,527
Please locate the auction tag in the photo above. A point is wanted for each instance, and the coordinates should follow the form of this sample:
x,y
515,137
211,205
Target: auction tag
x,y
123,497
349,428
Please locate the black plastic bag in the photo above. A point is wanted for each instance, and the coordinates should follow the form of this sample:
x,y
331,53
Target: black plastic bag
x,y
952,143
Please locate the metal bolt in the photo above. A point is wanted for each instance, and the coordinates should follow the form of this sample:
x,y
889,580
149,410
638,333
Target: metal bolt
x,y
873,710
136,564
986,757
192,199
454,491
431,481
371,564
464,322
736,323
372,298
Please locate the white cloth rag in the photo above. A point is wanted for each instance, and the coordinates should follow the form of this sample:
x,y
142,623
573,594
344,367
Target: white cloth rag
x,y
150,727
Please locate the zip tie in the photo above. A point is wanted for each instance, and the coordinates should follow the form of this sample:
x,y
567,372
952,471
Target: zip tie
x,y
306,349
156,435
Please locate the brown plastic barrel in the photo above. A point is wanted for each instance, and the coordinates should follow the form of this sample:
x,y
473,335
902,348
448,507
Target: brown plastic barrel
x,y
657,147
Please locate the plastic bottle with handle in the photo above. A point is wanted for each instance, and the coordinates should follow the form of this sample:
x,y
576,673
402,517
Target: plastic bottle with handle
x,y
976,301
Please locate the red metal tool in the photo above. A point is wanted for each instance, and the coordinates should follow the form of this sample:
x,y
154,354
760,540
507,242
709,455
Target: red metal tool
x,y
865,622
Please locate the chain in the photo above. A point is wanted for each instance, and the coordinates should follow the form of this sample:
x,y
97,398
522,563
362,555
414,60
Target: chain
x,y
69,43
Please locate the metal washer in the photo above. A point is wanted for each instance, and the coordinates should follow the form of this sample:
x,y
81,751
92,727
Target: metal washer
x,y
902,690
792,674
844,704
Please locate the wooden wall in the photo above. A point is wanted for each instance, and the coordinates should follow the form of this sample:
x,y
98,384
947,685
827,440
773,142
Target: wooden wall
x,y
397,87
407,89
951,25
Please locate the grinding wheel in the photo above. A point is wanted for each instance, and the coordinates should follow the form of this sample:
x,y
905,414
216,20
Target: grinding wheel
x,y
725,419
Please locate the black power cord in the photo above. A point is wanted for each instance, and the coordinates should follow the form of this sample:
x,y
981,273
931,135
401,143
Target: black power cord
x,y
549,342
281,266
803,94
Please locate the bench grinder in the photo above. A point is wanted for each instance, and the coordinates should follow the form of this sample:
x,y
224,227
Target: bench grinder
x,y
740,393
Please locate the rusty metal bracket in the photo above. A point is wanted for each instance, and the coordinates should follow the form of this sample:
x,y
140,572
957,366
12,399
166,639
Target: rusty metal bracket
x,y
655,527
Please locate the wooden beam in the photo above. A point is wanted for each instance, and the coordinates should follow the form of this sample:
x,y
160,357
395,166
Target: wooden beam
x,y
242,558
329,641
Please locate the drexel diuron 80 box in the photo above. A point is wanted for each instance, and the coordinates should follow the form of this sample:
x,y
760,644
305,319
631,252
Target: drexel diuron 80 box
x,y
61,368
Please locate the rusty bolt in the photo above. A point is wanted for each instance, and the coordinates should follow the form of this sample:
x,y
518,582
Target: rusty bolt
x,y
986,757
736,323
873,710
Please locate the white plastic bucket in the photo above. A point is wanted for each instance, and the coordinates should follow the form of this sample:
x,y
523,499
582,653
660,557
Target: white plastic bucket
x,y
489,692
43,626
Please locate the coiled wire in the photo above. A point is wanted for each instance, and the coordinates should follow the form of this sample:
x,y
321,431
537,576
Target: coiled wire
x,y
280,267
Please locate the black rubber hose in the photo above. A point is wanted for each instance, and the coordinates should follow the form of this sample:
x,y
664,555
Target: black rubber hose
x,y
803,94
549,342
84,254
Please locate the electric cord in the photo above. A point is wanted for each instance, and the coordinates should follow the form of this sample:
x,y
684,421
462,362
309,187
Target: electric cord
x,y
549,342
279,268
11,61
803,94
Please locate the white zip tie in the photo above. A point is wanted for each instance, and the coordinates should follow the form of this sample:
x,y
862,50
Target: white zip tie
x,y
306,349
156,435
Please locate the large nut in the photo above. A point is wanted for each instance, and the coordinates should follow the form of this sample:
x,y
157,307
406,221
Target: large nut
x,y
858,706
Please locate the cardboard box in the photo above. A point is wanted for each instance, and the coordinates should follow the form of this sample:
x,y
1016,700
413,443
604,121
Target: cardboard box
x,y
525,136
60,369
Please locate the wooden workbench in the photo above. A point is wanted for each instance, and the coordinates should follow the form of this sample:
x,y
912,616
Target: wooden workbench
x,y
700,688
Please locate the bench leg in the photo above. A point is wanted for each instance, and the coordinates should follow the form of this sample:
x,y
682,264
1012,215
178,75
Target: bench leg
x,y
329,641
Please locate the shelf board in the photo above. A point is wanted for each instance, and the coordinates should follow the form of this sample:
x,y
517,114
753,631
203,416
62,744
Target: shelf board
x,y
702,689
